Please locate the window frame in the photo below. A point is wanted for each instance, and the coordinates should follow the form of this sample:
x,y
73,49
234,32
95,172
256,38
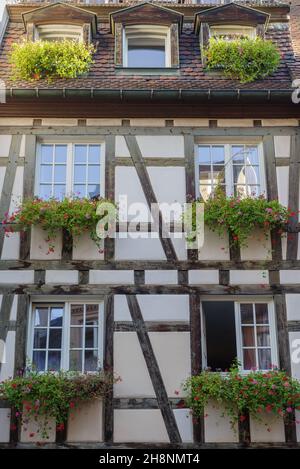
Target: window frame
x,y
70,165
147,31
59,29
249,31
229,177
238,327
66,326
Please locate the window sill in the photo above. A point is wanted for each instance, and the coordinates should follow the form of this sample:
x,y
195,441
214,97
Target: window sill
x,y
147,71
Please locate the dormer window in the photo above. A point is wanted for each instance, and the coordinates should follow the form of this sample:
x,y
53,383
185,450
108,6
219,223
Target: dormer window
x,y
230,32
59,32
146,47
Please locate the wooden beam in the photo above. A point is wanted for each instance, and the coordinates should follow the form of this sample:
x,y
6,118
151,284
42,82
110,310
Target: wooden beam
x,y
28,188
153,326
153,369
144,403
190,183
110,151
294,177
109,366
20,349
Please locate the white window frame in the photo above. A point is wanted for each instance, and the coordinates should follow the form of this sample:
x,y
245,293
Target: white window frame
x,y
56,32
229,181
149,32
66,321
240,30
238,327
70,166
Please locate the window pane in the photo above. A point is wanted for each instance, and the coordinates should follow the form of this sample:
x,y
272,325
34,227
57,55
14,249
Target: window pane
x,y
262,314
253,191
252,155
252,175
55,338
249,359
264,359
241,191
46,174
60,174
238,154
40,338
218,154
80,154
204,155
263,336
79,190
239,176
92,315
205,175
90,360
76,360
247,313
94,154
39,360
56,315
248,336
91,337
218,175
76,337
77,315
94,190
61,153
54,361
205,192
45,191
93,174
46,154
41,317
146,56
79,174
59,191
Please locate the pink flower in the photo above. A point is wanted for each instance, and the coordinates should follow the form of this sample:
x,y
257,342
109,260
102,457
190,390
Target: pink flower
x,y
289,410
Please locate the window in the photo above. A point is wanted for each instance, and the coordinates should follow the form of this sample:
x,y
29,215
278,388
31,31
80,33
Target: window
x,y
238,329
232,32
66,336
237,168
69,169
59,32
146,47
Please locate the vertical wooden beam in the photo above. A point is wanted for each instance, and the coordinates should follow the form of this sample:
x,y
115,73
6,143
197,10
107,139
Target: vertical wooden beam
x,y
175,61
153,369
110,152
28,188
8,183
294,178
190,186
118,44
21,334
109,366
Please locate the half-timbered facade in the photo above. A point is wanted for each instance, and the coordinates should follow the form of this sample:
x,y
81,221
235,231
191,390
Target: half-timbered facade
x,y
160,312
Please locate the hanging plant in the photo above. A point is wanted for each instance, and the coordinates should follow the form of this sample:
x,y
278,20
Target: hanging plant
x,y
75,216
272,392
45,396
244,59
48,60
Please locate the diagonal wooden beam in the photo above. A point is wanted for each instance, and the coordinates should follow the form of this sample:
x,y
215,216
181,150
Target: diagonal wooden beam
x,y
144,178
153,368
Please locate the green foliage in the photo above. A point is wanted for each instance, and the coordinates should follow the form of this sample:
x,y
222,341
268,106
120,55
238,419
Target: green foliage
x,y
75,216
244,59
42,396
257,392
48,60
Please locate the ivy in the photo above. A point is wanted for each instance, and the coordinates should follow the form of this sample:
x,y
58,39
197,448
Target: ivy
x,y
244,59
48,60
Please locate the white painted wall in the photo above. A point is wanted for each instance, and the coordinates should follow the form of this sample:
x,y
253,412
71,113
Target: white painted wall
x,y
86,423
139,426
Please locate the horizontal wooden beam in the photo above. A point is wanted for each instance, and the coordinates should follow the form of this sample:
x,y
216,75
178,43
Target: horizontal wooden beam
x,y
144,403
153,326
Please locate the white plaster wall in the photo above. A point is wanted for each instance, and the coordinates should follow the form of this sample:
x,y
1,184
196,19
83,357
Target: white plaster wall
x,y
282,173
130,365
184,422
139,249
295,353
293,306
31,431
7,368
191,122
17,191
2,176
172,352
121,147
11,247
14,308
61,277
127,184
180,245
161,277
235,122
16,276
289,276
258,247
270,429
246,277
198,277
279,122
4,425
111,277
23,146
161,146
84,248
214,247
282,146
5,141
147,122
217,428
86,422
39,247
143,425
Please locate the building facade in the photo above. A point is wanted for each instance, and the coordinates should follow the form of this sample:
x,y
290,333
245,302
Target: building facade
x,y
148,124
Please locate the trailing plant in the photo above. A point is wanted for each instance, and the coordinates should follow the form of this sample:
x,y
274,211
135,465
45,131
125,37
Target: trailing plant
x,y
241,216
244,59
50,59
258,392
45,396
75,216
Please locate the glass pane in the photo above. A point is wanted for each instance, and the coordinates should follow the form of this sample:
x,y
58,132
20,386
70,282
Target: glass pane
x,y
248,336
61,153
146,56
253,191
40,338
54,361
237,154
262,314
56,315
75,360
46,174
91,337
264,359
263,336
55,338
204,155
205,191
252,175
93,174
218,154
92,314
249,359
218,175
39,360
90,360
79,174
240,191
45,191
79,191
94,154
60,174
252,155
59,191
205,175
247,313
47,154
93,190
239,176
41,317
77,315
76,337
80,154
